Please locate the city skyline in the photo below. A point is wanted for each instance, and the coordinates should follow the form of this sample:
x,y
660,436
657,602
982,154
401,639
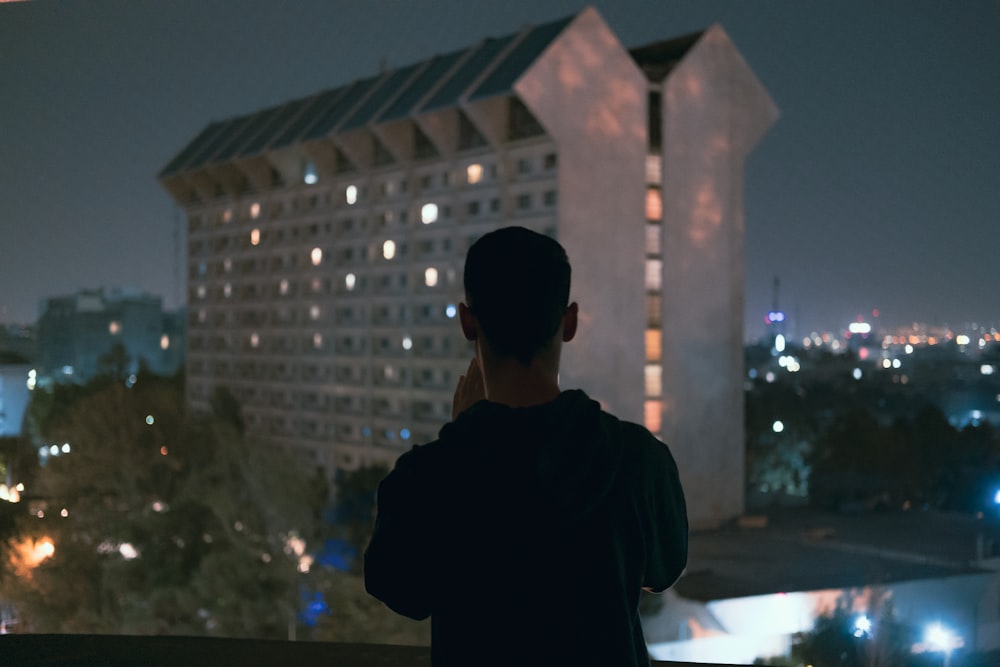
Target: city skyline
x,y
873,190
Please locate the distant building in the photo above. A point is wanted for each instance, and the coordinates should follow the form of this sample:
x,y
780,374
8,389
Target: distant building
x,y
14,374
75,332
327,237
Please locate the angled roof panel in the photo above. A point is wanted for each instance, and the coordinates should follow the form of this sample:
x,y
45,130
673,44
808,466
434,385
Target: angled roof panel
x,y
249,131
452,90
501,80
657,59
194,146
321,103
421,85
227,129
221,143
350,99
387,90
278,122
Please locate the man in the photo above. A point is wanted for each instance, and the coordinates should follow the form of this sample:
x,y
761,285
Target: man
x,y
528,528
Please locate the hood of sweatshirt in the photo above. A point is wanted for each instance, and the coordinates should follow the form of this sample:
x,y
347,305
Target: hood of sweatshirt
x,y
566,452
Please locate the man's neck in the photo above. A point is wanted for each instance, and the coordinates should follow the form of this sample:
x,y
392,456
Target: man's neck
x,y
515,385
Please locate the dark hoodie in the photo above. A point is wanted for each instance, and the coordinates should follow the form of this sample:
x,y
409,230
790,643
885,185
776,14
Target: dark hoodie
x,y
527,533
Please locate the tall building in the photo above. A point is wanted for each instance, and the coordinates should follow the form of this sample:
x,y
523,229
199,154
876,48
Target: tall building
x,y
327,237
76,331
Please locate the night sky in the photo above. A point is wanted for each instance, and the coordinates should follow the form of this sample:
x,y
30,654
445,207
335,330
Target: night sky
x,y
877,188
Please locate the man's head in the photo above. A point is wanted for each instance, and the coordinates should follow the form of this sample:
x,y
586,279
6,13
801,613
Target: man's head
x,y
517,291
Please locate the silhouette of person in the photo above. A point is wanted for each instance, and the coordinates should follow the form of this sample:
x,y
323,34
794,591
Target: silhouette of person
x,y
528,528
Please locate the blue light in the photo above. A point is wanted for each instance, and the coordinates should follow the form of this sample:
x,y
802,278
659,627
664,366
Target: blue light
x,y
996,497
775,316
404,433
450,311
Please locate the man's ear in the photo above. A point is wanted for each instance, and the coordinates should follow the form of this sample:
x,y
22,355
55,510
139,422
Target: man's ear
x,y
570,322
470,326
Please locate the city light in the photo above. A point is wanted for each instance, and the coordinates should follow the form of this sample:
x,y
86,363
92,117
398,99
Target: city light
x,y
962,339
862,626
428,213
389,249
407,343
450,311
778,426
310,177
987,369
856,373
349,281
431,277
779,343
474,173
316,256
149,420
774,316
862,328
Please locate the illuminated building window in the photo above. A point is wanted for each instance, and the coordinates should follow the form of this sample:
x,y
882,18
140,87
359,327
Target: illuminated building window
x,y
351,194
202,316
389,249
428,213
652,239
317,340
653,416
654,274
654,204
309,174
654,169
350,280
254,237
654,380
164,342
474,173
450,311
283,286
316,256
654,343
254,210
227,290
254,340
407,343
227,215
200,291
114,327
227,264
313,312
431,277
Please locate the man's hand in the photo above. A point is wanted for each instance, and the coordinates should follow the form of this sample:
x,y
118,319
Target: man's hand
x,y
469,391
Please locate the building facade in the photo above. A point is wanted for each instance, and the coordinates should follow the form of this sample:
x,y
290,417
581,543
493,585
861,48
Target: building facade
x,y
327,237
76,331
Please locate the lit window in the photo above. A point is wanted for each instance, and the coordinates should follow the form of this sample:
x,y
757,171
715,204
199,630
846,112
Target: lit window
x,y
164,342
254,210
227,264
114,327
351,194
654,204
389,249
652,239
428,213
316,284
349,281
450,311
431,277
200,291
254,237
313,312
310,176
474,173
654,274
654,342
653,415
283,286
654,380
254,340
227,290
227,215
317,340
316,256
407,343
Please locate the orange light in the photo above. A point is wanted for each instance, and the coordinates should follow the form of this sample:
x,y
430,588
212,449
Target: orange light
x,y
653,415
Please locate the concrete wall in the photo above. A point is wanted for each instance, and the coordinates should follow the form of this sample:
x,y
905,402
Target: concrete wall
x,y
589,95
715,110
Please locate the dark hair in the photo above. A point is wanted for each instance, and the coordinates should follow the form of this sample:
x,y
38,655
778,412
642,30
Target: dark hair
x,y
517,286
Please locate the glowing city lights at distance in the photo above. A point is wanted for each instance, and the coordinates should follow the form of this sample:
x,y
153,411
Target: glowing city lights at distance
x,y
431,277
778,426
65,448
254,210
473,174
314,312
407,343
856,373
908,349
114,327
149,420
938,638
350,280
283,286
54,450
254,339
254,236
317,340
32,380
404,433
987,369
389,249
962,339
886,363
896,363
128,551
862,626
774,316
11,494
164,342
428,213
227,290
450,311
316,256
862,328
64,513
996,497
351,194
310,177
779,343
